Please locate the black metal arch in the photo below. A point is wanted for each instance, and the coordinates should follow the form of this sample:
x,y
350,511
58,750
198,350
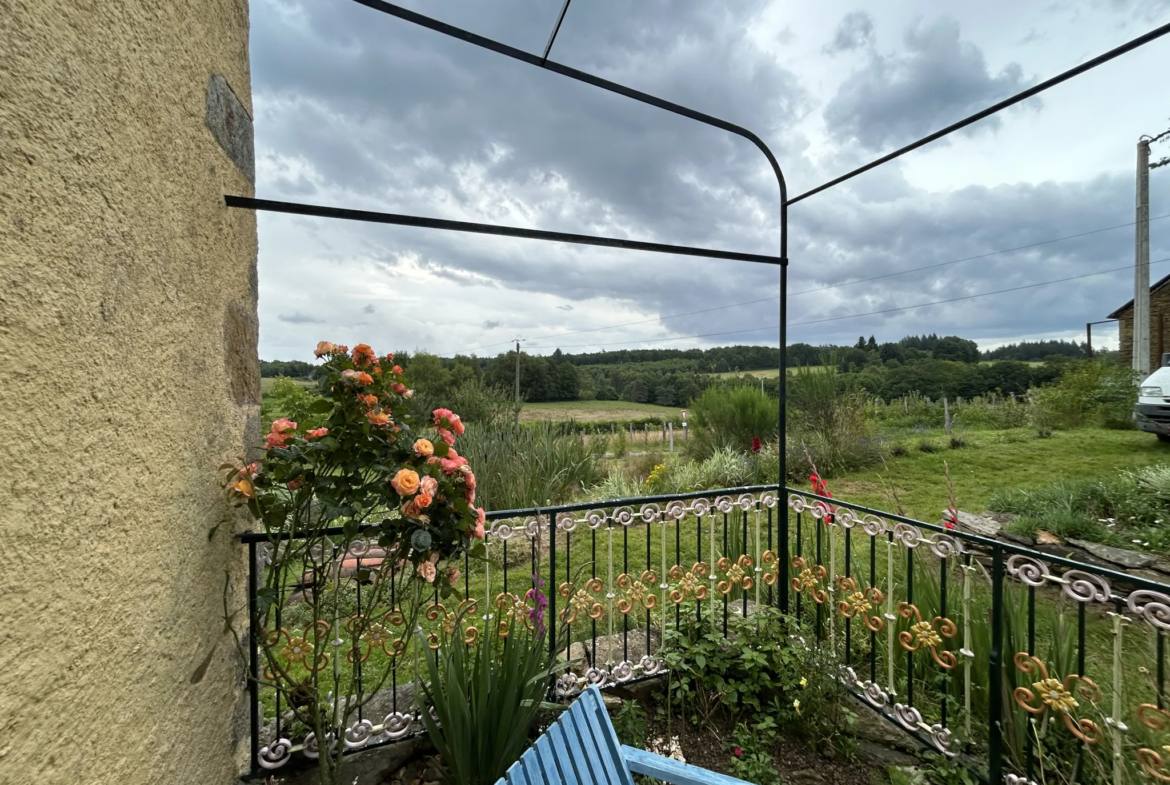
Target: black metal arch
x,y
781,260
507,231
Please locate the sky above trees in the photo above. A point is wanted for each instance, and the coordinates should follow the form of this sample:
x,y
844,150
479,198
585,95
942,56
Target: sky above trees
x,y
354,108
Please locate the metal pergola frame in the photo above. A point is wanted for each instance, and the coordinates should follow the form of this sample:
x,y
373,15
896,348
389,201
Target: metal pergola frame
x,y
780,260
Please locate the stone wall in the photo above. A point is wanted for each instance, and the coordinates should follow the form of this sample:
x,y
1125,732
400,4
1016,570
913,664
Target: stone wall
x,y
1159,307
128,373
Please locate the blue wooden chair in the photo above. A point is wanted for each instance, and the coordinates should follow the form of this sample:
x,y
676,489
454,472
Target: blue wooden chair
x,y
582,748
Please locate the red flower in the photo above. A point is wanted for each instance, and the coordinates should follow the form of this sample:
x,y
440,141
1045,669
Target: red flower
x,y
738,752
755,444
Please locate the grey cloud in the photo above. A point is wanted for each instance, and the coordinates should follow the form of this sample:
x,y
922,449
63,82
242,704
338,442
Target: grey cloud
x,y
895,98
390,117
855,31
368,309
564,307
299,318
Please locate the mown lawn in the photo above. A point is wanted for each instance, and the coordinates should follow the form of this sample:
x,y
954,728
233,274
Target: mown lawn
x,y
990,461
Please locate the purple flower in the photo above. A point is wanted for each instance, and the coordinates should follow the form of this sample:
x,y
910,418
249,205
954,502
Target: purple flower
x,y
539,603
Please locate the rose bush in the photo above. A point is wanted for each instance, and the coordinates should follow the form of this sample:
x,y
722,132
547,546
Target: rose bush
x,y
368,467
361,510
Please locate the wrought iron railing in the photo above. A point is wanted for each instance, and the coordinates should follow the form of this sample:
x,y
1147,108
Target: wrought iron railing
x,y
1013,660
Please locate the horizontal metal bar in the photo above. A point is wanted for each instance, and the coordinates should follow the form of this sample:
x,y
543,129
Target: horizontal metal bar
x,y
1088,65
987,542
396,219
551,510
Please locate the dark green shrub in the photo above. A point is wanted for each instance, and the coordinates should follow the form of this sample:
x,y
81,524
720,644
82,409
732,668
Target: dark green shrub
x,y
731,418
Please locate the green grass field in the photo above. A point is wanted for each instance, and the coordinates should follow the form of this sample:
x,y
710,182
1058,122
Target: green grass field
x,y
266,383
594,411
993,460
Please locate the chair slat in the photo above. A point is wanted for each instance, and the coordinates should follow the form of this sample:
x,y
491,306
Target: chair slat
x,y
515,775
548,761
611,766
612,747
568,765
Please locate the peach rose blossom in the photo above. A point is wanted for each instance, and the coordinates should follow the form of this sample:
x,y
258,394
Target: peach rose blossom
x,y
397,369
446,435
276,439
453,576
406,482
317,433
369,400
323,348
424,448
429,486
283,426
468,476
469,495
456,424
297,483
427,571
378,418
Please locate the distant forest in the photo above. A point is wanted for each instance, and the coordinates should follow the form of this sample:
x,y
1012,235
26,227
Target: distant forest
x,y
927,364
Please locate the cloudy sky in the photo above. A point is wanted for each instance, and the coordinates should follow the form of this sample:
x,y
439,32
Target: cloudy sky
x,y
358,109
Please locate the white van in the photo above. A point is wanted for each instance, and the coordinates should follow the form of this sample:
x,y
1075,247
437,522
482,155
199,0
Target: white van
x,y
1152,412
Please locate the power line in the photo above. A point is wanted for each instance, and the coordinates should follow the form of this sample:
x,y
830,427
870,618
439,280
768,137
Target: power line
x,y
825,288
883,311
1004,104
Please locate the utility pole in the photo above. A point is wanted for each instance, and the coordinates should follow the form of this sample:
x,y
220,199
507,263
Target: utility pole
x,y
517,381
1141,265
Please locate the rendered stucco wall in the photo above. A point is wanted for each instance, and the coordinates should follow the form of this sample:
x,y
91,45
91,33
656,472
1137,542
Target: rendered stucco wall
x,y
128,373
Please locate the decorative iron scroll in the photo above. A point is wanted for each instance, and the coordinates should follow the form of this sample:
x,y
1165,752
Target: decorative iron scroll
x,y
860,603
927,634
689,584
1152,762
581,602
809,579
1050,693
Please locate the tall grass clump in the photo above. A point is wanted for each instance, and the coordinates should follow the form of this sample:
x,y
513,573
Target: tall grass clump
x,y
827,424
534,464
726,418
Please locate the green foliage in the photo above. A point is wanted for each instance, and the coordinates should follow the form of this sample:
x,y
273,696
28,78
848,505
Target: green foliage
x,y
630,724
291,401
1088,394
751,753
724,418
457,385
762,668
487,697
294,368
1128,509
827,425
537,463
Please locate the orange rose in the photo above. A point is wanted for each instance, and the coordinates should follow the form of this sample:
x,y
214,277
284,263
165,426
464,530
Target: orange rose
x,y
427,571
323,348
369,400
243,488
396,370
363,355
378,418
424,448
423,501
406,482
